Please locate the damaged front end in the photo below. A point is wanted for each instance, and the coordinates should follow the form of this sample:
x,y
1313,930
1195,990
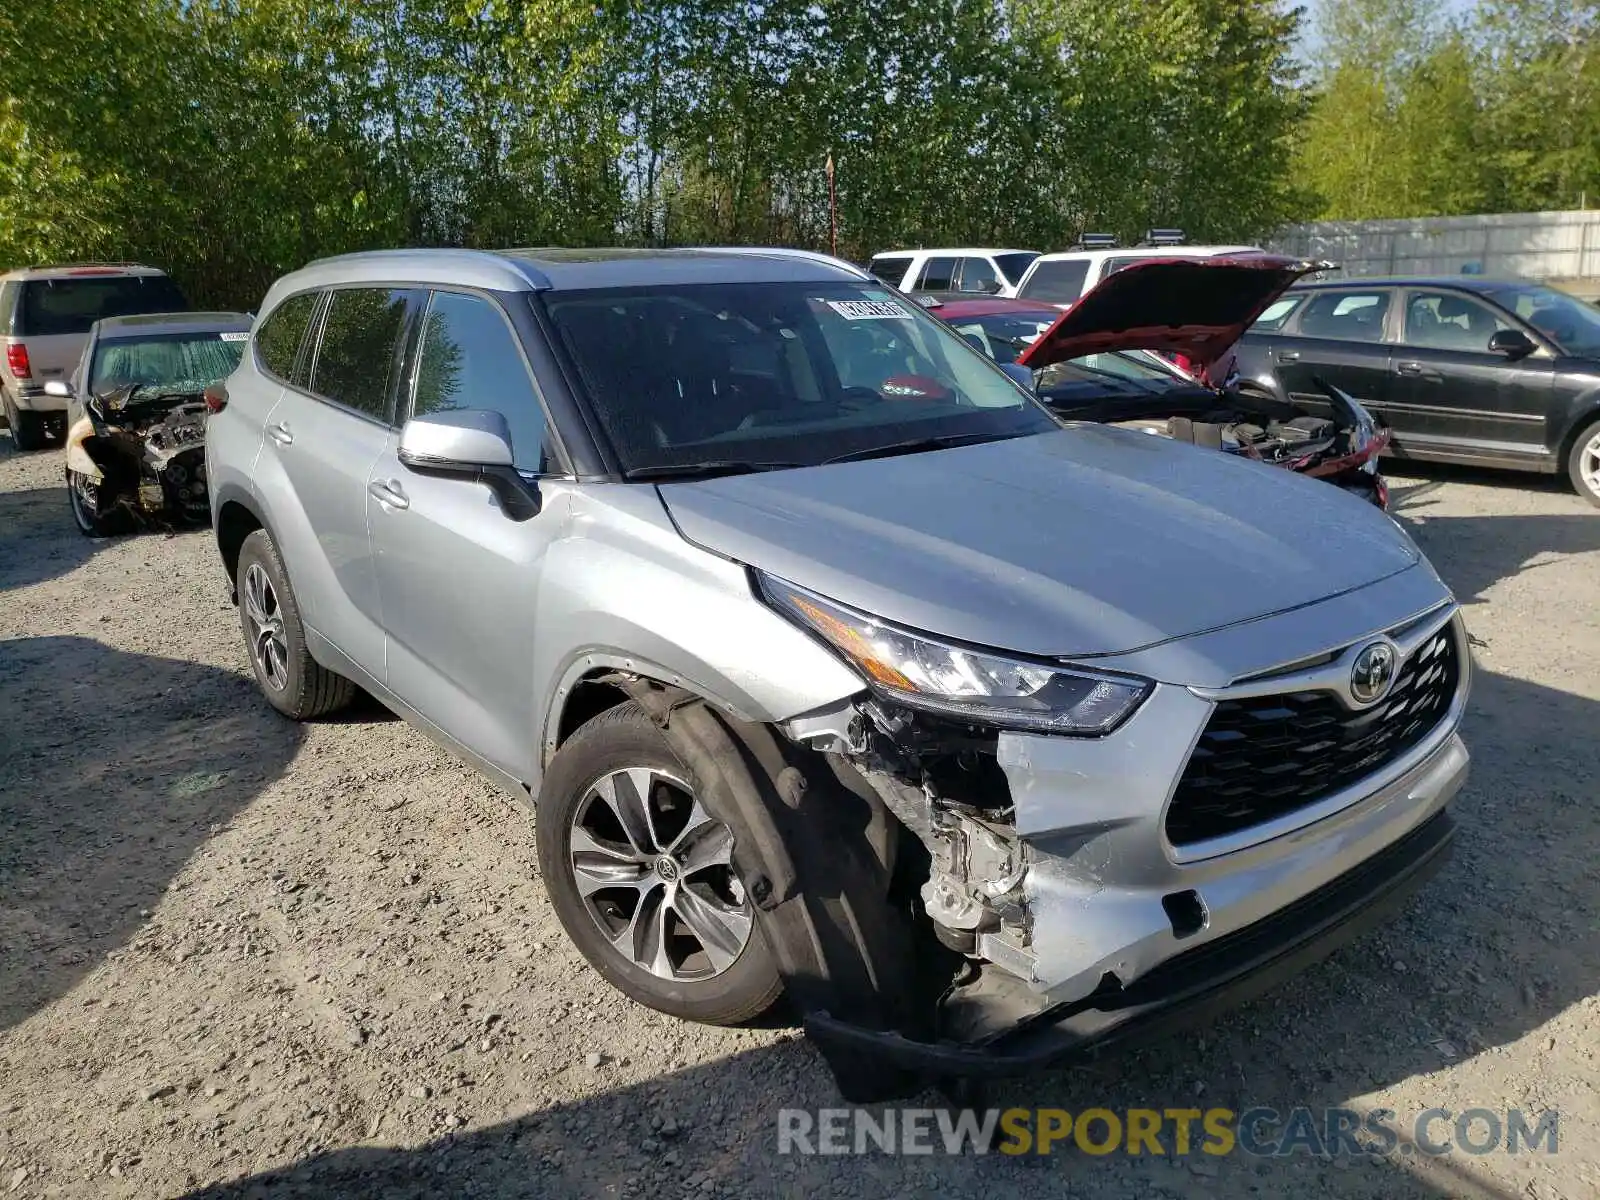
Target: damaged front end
x,y
136,454
1072,899
1342,447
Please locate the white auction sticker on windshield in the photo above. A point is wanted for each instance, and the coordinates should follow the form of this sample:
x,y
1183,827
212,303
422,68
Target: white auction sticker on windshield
x,y
869,310
234,337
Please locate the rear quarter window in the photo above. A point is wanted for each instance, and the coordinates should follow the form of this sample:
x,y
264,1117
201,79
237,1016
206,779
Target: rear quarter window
x,y
279,339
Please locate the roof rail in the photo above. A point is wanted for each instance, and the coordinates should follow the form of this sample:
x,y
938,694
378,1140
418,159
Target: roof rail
x,y
788,252
69,265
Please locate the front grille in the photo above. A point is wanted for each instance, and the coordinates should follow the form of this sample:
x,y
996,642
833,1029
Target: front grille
x,y
1262,757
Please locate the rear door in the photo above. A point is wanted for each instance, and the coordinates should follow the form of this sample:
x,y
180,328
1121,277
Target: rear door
x,y
459,578
938,274
977,276
1337,336
322,441
1457,397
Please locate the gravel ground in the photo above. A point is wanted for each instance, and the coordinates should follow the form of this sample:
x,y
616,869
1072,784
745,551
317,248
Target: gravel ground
x,y
240,957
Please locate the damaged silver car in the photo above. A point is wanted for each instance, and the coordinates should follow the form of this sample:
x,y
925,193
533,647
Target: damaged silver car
x,y
835,664
136,413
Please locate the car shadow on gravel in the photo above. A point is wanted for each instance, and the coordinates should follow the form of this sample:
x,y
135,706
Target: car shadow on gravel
x,y
114,768
1499,945
1475,553
38,541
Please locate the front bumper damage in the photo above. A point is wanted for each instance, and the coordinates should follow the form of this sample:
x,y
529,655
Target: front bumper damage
x,y
1081,923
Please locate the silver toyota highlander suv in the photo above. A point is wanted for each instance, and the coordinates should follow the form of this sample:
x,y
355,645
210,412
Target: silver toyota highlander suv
x,y
835,664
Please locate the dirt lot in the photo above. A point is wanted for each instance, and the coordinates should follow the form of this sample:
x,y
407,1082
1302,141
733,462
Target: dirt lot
x,y
239,957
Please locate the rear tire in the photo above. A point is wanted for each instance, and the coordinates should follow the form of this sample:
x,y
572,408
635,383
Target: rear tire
x,y
1583,463
27,428
661,971
293,682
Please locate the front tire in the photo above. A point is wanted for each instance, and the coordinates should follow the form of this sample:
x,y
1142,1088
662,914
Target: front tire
x,y
93,512
1583,463
293,682
641,876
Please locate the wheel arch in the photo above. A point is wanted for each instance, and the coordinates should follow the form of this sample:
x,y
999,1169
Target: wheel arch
x,y
236,520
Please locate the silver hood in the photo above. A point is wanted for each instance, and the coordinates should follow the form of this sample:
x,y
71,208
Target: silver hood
x,y
1087,541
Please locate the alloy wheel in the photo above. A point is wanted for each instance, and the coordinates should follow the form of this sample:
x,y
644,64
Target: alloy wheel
x,y
1589,464
84,494
655,873
264,621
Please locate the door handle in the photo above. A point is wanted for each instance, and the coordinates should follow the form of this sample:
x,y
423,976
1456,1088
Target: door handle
x,y
1408,368
280,434
1419,371
1288,356
389,493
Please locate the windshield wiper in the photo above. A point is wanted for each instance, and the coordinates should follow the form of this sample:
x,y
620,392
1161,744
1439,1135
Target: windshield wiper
x,y
704,470
918,445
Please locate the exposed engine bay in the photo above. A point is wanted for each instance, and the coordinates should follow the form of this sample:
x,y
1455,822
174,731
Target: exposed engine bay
x,y
1344,445
146,446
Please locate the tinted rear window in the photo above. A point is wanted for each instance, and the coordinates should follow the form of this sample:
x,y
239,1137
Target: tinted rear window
x,y
1057,282
72,304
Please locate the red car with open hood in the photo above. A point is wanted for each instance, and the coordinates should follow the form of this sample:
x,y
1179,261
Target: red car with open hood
x,y
1101,360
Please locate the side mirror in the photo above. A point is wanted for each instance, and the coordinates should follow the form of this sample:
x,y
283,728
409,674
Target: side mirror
x,y
472,444
1512,343
57,387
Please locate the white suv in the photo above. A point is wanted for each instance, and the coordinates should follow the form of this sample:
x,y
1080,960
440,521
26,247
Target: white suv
x,y
973,272
1061,278
45,317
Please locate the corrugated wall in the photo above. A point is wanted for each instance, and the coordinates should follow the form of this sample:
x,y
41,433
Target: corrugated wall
x,y
1561,248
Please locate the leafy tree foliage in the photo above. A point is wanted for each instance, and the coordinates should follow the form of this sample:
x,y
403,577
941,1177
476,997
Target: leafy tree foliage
x,y
1413,115
231,140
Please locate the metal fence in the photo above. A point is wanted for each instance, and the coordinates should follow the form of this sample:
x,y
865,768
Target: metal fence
x,y
1560,248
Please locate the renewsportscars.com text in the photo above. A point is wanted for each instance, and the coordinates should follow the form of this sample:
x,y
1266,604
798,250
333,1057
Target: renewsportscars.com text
x,y
1260,1132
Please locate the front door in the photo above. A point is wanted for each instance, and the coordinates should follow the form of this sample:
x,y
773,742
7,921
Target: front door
x,y
1460,399
459,578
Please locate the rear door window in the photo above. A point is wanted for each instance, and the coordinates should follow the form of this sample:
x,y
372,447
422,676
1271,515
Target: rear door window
x,y
1355,316
1276,314
938,275
356,356
978,275
72,303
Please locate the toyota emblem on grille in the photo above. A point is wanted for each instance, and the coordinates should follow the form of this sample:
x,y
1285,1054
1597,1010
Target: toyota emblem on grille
x,y
1372,673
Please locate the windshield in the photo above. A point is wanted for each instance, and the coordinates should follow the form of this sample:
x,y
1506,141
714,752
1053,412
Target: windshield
x,y
778,374
71,304
1574,327
1003,336
176,362
1015,265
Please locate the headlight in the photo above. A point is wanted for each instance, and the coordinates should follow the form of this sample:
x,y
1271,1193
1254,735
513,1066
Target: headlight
x,y
957,681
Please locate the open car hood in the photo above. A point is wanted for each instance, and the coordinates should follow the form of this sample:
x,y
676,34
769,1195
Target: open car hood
x,y
1196,307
